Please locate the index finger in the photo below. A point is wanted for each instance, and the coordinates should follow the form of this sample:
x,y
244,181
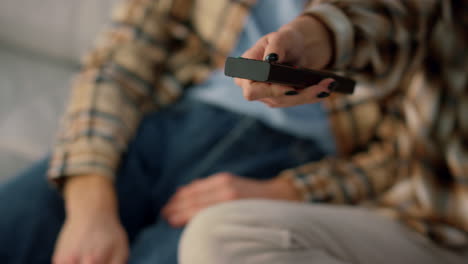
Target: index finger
x,y
256,52
260,90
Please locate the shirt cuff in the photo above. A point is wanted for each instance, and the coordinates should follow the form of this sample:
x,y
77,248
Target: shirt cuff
x,y
300,184
81,160
342,29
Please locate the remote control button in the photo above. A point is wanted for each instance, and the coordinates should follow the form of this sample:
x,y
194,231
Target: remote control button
x,y
272,57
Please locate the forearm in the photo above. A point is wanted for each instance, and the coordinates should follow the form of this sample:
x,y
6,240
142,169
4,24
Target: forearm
x,y
115,89
92,230
90,196
347,181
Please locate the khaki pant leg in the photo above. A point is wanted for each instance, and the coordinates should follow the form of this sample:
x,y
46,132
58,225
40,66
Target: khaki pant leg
x,y
271,232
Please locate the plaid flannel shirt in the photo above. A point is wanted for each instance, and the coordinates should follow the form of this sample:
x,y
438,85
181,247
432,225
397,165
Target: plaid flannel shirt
x,y
403,135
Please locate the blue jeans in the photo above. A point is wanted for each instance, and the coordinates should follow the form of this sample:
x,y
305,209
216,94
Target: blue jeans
x,y
173,147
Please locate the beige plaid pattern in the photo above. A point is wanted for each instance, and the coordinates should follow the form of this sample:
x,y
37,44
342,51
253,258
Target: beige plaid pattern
x,y
403,135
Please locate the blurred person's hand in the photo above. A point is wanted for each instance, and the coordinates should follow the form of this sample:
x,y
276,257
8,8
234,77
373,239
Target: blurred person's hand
x,y
92,232
223,187
305,42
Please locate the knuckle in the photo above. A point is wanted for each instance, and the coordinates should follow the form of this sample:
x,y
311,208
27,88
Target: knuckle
x,y
57,260
277,91
248,94
196,184
274,104
97,258
73,258
266,38
226,178
268,103
195,202
312,96
276,39
186,192
274,36
190,203
231,194
281,38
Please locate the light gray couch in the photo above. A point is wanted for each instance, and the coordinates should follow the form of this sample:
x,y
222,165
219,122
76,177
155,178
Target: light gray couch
x,y
41,43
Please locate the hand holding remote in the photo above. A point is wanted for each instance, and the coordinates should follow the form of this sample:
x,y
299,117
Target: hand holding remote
x,y
305,42
284,74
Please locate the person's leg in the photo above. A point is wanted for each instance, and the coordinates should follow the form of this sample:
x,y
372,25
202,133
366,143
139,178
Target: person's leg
x,y
32,211
172,148
257,232
204,140
31,214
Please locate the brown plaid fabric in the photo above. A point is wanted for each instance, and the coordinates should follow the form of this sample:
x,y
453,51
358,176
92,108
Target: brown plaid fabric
x,y
403,134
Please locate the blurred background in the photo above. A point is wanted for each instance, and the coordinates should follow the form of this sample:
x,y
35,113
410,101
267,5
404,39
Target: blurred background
x,y
41,42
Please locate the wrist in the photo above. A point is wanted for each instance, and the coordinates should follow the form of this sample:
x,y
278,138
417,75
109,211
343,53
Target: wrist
x,y
89,196
283,188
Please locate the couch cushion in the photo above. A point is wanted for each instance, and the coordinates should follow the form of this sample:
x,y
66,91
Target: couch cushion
x,y
33,92
59,28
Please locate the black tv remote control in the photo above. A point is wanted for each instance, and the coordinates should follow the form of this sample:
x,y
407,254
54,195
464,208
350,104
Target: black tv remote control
x,y
300,78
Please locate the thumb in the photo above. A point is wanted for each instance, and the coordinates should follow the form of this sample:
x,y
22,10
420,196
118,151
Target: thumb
x,y
275,49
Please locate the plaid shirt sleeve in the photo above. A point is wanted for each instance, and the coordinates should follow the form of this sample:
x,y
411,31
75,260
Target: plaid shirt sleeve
x,y
332,180
373,40
114,89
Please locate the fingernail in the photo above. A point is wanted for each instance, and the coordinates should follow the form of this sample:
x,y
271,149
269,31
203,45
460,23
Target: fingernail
x,y
323,95
332,86
292,92
271,57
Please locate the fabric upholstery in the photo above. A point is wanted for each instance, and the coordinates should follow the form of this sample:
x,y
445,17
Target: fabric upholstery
x,y
32,95
58,28
41,43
